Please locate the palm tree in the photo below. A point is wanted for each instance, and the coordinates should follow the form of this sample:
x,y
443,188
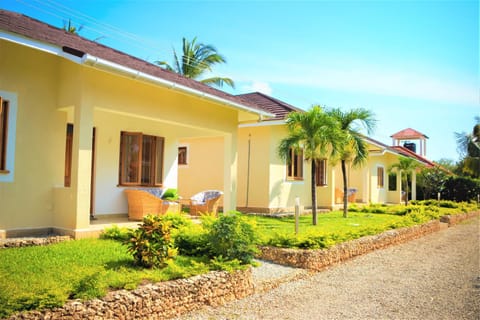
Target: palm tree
x,y
354,147
468,145
70,28
405,166
317,134
196,60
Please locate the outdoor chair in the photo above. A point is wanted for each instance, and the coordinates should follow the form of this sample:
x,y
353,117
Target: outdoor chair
x,y
144,202
205,202
350,195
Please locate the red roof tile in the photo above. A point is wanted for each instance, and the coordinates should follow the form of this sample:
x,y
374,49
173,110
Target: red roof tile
x,y
34,29
408,133
409,153
279,108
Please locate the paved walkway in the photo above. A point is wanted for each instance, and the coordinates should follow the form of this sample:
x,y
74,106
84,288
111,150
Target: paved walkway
x,y
435,277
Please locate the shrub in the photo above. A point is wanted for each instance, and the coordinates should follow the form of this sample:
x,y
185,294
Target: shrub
x,y
461,189
177,220
116,233
231,237
192,241
151,244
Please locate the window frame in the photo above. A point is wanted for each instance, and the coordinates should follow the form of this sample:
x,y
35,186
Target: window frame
x,y
154,160
295,165
68,155
4,114
380,177
321,172
392,181
184,157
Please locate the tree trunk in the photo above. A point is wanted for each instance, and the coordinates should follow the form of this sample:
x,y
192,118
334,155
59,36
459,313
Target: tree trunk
x,y
314,194
345,189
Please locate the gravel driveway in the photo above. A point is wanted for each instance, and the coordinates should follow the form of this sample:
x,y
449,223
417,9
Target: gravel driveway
x,y
435,277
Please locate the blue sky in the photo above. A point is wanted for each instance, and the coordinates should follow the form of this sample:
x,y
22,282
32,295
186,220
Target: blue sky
x,y
413,63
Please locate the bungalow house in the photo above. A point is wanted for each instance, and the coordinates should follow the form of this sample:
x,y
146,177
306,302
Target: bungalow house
x,y
81,122
266,183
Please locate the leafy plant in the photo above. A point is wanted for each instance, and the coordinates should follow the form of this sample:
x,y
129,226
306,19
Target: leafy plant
x,y
231,236
151,244
116,233
192,241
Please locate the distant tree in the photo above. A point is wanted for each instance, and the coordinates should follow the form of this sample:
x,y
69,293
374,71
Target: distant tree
x,y
405,166
318,135
196,60
432,181
70,28
468,146
353,148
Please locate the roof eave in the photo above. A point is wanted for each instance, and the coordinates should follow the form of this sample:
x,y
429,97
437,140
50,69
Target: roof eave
x,y
116,68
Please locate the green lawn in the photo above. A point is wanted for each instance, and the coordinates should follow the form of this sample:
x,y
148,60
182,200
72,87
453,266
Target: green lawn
x,y
39,277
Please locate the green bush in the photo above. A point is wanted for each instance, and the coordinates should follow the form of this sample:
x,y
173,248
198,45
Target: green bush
x,y
232,236
151,244
192,241
177,220
117,233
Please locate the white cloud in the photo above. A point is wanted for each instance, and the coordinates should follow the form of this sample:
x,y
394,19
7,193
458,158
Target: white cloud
x,y
369,78
258,86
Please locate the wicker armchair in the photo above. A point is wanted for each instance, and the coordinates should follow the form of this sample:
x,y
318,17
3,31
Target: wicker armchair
x,y
142,203
205,202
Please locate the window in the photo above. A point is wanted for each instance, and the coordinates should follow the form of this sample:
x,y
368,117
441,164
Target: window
x,y
182,155
295,166
380,177
392,182
68,155
321,172
3,134
141,159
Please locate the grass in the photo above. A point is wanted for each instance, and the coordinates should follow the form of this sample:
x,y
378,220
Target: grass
x,y
42,277
332,228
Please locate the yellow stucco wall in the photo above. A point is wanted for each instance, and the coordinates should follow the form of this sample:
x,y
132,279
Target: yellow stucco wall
x,y
205,166
52,91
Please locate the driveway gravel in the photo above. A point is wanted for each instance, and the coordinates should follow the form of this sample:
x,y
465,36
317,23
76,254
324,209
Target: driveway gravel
x,y
434,277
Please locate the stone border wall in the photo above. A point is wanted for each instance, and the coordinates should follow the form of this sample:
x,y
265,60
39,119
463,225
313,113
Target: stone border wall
x,y
457,218
318,259
163,300
27,242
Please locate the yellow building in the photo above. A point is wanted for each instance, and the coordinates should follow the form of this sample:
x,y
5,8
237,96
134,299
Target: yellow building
x,y
81,122
266,183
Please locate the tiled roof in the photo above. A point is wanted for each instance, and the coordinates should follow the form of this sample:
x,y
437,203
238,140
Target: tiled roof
x,y
34,29
279,108
408,133
409,153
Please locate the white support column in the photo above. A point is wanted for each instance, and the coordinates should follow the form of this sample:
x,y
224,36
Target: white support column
x,y
399,186
414,185
366,185
230,172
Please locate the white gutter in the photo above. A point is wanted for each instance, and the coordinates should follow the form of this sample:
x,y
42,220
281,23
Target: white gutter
x,y
106,65
263,123
48,48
